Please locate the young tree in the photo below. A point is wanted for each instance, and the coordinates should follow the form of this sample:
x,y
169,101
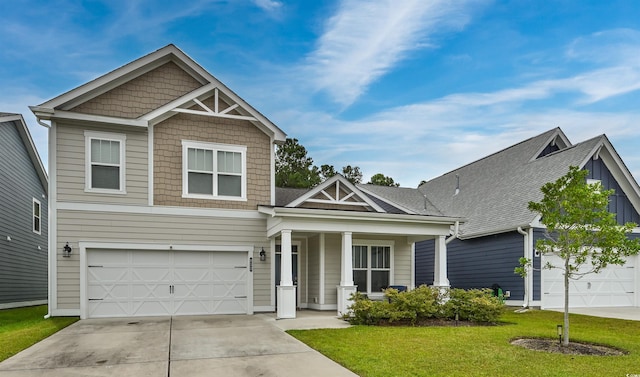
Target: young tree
x,y
382,180
580,231
294,168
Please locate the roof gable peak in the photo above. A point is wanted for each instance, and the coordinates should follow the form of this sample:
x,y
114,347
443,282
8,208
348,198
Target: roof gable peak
x,y
336,191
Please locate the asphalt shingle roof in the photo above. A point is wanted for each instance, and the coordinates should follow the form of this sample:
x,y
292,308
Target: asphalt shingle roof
x,y
493,191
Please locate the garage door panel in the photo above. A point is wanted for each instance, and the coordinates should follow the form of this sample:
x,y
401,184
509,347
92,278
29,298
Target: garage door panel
x,y
155,283
612,286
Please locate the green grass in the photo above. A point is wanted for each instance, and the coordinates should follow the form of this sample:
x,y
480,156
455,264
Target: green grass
x,y
478,351
23,327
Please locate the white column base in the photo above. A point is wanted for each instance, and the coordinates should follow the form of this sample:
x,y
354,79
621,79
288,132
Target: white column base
x,y
344,301
286,302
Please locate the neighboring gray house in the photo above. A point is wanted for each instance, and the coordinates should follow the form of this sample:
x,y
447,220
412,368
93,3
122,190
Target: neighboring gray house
x,y
23,217
492,195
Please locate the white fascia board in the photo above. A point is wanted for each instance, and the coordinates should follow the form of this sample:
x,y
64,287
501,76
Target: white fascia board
x,y
621,173
360,216
119,76
84,118
160,211
532,224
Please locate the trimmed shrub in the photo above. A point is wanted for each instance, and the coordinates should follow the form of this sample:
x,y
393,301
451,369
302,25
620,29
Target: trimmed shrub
x,y
424,303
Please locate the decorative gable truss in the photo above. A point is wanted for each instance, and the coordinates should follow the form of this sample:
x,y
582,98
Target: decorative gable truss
x,y
336,193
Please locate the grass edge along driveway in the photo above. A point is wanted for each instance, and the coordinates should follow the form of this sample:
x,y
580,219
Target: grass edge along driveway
x,y
479,351
20,328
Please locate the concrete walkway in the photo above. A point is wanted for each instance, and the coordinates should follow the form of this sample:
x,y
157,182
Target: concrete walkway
x,y
232,345
621,312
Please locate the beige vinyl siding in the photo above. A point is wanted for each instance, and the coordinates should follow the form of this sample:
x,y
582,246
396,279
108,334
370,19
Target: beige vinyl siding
x,y
333,252
75,226
313,278
70,165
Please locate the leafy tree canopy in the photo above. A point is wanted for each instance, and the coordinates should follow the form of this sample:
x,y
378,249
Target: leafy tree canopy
x,y
382,180
579,230
294,168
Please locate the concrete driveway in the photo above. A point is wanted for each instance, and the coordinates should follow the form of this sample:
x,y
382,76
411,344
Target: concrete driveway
x,y
621,312
180,346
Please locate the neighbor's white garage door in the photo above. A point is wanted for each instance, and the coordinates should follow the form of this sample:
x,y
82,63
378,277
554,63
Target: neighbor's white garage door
x,y
613,286
123,283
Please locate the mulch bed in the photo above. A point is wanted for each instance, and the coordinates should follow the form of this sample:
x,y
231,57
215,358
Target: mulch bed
x,y
574,348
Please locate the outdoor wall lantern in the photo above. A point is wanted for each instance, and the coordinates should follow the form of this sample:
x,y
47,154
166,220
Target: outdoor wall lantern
x,y
559,329
263,255
66,250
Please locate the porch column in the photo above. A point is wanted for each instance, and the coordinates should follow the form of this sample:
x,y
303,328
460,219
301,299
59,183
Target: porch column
x,y
440,264
346,287
286,289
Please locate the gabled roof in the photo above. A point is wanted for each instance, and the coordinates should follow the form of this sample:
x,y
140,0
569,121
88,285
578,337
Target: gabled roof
x,y
23,130
492,193
336,192
60,106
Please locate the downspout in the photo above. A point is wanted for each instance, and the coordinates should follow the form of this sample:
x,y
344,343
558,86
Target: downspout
x,y
526,278
48,315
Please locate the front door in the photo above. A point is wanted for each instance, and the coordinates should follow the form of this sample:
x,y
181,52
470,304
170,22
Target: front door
x,y
294,267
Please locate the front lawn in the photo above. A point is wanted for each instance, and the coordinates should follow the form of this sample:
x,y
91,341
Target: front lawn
x,y
478,351
20,328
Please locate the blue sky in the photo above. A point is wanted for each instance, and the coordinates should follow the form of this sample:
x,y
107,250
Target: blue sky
x,y
410,89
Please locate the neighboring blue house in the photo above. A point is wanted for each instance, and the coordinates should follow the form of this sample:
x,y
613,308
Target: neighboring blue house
x,y
23,217
492,195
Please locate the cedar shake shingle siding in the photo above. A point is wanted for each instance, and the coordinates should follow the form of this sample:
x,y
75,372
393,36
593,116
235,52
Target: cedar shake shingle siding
x,y
142,94
167,165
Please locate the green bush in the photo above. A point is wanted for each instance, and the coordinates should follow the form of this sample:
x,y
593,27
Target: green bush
x,y
424,303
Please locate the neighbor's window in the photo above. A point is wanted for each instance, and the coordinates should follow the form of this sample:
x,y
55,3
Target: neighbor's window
x,y
37,215
371,268
105,162
213,171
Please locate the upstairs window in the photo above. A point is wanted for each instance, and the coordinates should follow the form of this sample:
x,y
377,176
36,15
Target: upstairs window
x,y
37,216
105,162
213,171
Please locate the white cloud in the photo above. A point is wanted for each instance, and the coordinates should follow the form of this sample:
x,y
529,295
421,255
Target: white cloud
x,y
268,5
364,40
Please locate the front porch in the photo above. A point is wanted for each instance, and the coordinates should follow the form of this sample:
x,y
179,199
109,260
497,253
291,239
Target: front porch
x,y
321,257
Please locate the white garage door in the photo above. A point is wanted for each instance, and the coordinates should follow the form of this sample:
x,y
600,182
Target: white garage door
x,y
613,286
125,283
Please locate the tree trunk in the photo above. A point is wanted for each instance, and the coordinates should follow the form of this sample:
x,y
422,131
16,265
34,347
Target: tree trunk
x,y
565,328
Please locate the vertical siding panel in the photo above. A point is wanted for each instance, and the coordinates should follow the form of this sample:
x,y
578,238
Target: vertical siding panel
x,y
476,263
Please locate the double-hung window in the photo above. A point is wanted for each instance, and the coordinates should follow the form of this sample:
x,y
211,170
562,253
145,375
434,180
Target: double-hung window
x,y
37,216
213,171
371,267
105,162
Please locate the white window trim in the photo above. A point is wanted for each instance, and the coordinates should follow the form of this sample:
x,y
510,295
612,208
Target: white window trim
x,y
368,244
90,135
33,216
215,147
